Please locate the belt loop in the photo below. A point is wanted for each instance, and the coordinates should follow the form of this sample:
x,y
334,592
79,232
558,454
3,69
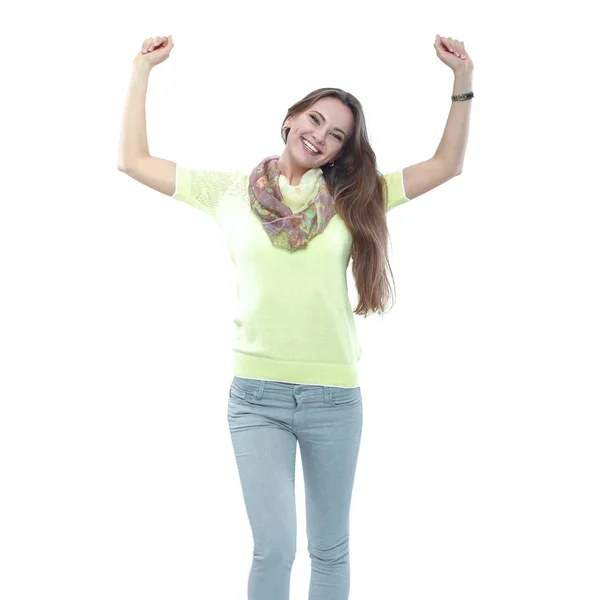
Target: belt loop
x,y
328,395
258,394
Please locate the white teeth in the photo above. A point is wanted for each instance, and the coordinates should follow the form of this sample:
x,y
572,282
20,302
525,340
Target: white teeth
x,y
310,146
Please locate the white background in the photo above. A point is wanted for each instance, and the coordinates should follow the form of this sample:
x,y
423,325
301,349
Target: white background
x,y
479,463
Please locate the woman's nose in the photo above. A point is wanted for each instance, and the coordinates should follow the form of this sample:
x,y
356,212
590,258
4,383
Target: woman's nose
x,y
318,138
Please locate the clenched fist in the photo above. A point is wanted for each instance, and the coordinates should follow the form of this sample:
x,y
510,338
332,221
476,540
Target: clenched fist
x,y
154,51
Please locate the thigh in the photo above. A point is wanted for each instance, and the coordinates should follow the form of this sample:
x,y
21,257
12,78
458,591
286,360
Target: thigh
x,y
329,447
265,452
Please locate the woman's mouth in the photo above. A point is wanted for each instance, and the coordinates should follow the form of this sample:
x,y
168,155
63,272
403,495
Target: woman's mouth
x,y
309,148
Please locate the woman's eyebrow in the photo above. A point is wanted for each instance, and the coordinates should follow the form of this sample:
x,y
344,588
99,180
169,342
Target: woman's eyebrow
x,y
324,119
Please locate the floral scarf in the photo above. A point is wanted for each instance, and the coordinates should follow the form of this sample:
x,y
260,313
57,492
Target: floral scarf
x,y
286,229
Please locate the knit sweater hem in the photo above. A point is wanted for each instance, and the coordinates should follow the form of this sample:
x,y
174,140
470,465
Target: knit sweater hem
x,y
253,367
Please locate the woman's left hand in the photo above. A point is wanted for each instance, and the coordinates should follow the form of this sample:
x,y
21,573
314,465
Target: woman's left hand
x,y
452,53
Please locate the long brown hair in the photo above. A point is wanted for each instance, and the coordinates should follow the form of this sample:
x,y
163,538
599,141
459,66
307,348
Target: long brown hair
x,y
360,194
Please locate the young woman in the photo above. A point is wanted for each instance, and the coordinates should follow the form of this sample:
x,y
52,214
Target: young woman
x,y
291,224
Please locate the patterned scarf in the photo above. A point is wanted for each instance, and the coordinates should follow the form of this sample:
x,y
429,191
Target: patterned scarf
x,y
286,229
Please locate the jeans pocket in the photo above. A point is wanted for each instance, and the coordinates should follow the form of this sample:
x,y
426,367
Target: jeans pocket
x,y
346,396
237,393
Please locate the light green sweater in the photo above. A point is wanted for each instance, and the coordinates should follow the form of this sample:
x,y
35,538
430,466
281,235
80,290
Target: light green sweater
x,y
294,319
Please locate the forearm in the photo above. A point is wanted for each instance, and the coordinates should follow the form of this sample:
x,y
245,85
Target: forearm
x,y
453,145
134,140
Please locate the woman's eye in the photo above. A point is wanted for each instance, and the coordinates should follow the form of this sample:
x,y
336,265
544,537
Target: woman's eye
x,y
337,137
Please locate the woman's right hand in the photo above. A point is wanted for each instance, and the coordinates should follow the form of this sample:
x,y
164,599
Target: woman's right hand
x,y
154,51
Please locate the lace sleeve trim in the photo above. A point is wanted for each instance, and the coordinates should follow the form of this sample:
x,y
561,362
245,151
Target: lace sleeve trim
x,y
203,189
396,194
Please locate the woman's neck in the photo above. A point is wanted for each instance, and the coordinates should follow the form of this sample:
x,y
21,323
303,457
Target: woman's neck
x,y
293,172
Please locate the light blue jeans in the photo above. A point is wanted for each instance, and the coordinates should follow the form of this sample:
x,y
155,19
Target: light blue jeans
x,y
266,419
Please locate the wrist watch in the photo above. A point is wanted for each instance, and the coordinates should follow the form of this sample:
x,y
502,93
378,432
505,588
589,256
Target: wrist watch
x,y
461,97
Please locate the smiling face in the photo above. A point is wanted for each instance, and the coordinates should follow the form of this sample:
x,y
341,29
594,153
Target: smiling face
x,y
327,125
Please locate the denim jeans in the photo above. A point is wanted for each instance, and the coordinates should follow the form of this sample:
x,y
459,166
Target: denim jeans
x,y
266,418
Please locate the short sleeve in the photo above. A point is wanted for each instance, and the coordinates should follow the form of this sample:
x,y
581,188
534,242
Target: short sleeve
x,y
395,189
204,189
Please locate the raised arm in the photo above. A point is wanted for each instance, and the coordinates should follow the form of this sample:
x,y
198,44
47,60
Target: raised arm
x,y
447,161
134,155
